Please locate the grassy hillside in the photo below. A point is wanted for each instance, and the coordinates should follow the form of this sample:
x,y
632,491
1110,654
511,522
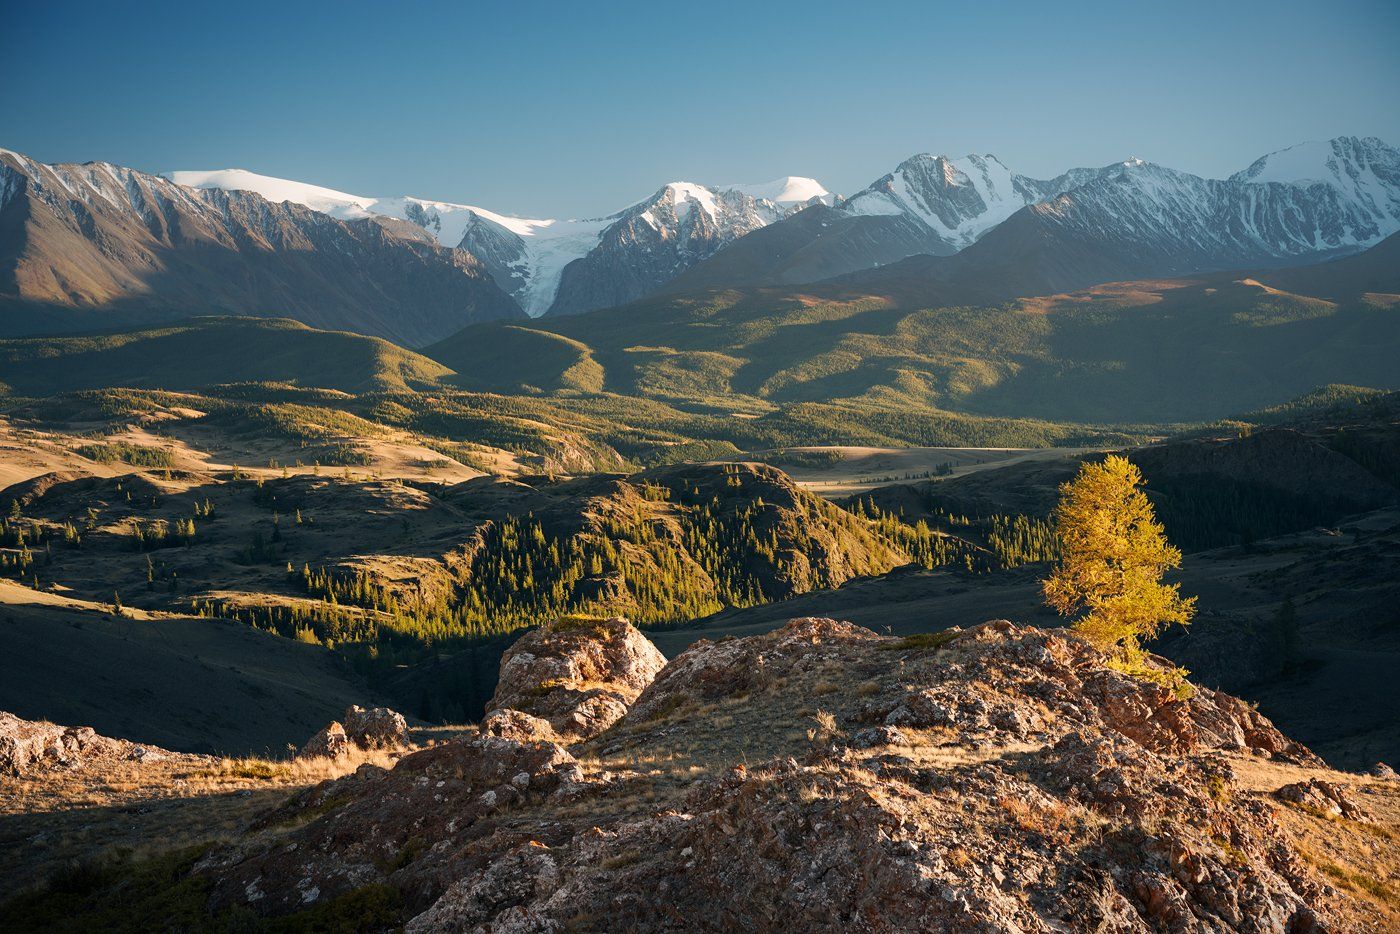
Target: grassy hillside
x,y
1139,352
389,574
207,351
533,399
185,683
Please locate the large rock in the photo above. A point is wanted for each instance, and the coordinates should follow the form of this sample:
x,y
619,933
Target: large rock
x,y
1323,797
508,723
29,746
581,677
330,743
376,728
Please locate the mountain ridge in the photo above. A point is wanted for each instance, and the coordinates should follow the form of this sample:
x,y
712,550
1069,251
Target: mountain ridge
x,y
1140,219
528,257
97,245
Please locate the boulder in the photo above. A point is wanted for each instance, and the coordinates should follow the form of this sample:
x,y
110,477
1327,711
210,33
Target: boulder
x,y
1324,797
579,676
330,743
508,723
1384,772
376,728
28,745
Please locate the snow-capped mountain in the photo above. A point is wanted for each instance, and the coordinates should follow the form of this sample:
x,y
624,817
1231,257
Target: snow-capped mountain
x,y
530,257
101,236
649,244
956,200
1139,219
1298,204
929,204
96,245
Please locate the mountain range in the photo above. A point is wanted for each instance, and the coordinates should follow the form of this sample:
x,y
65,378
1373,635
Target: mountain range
x,y
1296,205
91,245
565,266
1124,221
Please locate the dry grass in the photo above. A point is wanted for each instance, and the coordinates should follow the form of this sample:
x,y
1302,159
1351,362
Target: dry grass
x,y
287,771
106,806
1050,819
1362,859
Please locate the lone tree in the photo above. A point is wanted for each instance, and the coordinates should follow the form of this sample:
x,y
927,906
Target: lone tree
x,y
1113,553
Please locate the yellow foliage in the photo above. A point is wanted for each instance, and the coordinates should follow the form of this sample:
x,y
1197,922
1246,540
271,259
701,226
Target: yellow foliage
x,y
1113,555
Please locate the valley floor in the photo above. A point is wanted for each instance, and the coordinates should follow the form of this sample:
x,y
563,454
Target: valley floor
x,y
840,471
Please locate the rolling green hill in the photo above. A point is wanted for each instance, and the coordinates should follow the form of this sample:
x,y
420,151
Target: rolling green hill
x,y
1147,352
202,352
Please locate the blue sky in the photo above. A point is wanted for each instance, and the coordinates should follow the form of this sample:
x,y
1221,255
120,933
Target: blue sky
x,y
575,109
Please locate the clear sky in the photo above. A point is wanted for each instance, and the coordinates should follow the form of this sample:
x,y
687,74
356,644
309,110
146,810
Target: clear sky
x,y
579,108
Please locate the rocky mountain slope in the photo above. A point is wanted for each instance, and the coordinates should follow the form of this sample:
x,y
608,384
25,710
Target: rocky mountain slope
x,y
565,266
98,245
822,776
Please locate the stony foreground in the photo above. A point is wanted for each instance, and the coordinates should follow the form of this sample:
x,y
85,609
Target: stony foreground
x,y
997,779
821,777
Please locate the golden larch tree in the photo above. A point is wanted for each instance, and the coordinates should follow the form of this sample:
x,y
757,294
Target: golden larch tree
x,y
1113,553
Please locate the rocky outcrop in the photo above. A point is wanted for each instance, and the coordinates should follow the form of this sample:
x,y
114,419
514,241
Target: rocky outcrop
x,y
995,779
580,676
396,824
28,747
367,729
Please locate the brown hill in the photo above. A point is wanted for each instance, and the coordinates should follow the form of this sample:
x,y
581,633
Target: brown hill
x,y
97,245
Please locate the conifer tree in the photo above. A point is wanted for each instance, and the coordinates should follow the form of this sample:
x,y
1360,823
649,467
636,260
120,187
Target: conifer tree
x,y
1113,553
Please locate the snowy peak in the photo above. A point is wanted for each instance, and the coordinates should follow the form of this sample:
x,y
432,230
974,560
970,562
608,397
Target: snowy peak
x,y
786,191
957,199
279,190
528,256
444,220
1293,205
1357,179
681,195
683,224
1342,162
